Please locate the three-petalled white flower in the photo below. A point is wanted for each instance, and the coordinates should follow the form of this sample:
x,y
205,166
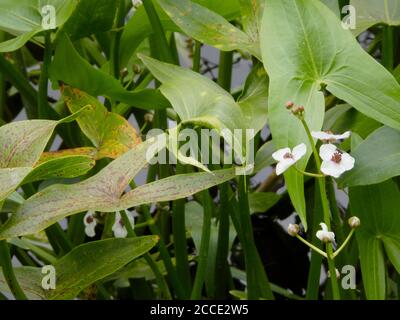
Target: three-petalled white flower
x,y
329,136
90,223
325,235
335,161
286,157
119,227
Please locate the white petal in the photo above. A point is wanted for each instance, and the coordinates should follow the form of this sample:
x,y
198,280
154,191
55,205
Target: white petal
x,y
321,135
90,231
323,226
331,168
320,235
326,151
343,136
283,165
299,151
87,215
120,232
347,161
278,155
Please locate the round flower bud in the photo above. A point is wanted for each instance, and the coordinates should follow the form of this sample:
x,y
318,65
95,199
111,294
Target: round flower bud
x,y
148,117
354,222
293,229
289,105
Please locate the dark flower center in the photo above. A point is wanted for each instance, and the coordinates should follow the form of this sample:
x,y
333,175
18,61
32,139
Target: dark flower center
x,y
288,155
89,219
337,156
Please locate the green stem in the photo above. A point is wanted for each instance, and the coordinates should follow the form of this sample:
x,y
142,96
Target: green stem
x,y
257,281
388,48
336,253
314,273
180,242
322,253
13,75
161,47
58,239
204,246
222,271
225,69
116,40
2,86
197,56
43,103
172,273
8,271
336,219
310,174
326,214
157,273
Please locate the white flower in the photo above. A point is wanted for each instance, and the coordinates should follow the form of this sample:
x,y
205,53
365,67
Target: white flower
x,y
137,3
335,161
90,223
329,136
324,235
119,228
286,158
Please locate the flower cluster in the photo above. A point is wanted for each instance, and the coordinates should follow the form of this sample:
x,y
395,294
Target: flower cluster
x,y
118,228
334,161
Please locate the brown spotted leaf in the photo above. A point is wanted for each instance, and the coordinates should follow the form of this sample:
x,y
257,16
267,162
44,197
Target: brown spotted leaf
x,y
109,132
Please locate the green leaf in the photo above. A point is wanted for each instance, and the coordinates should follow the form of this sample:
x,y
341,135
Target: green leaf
x,y
83,151
109,132
209,105
93,261
333,5
23,142
62,167
10,179
30,279
252,11
262,201
377,207
264,156
354,121
301,56
207,26
91,16
81,267
25,20
16,43
103,192
371,12
254,98
70,67
175,187
139,28
377,159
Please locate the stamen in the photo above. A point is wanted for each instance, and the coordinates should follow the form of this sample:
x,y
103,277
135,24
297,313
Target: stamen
x,y
89,219
337,156
288,155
